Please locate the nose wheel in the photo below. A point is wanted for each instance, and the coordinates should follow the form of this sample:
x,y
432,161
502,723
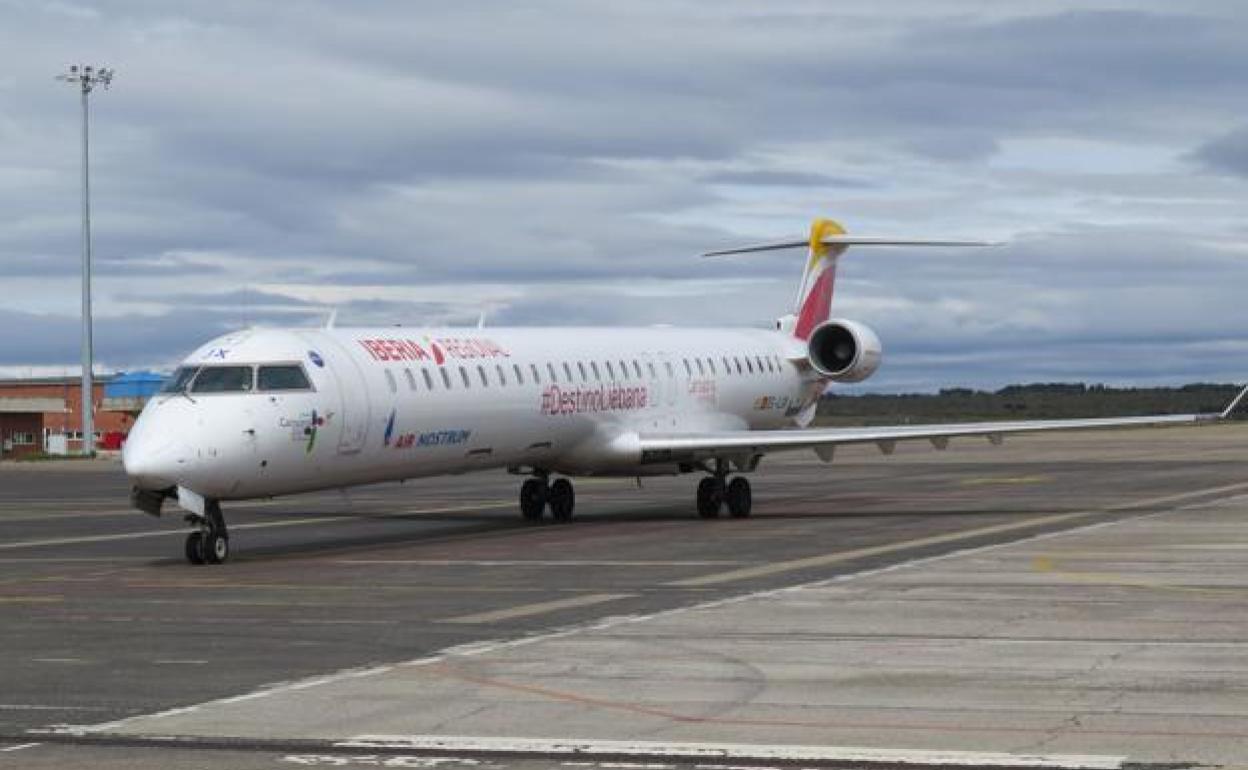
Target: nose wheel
x,y
210,544
536,495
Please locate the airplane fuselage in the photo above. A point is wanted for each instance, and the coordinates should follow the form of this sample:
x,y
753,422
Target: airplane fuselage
x,y
394,403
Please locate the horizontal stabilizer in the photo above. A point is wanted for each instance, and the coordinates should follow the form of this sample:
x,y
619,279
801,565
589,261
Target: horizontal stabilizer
x,y
849,240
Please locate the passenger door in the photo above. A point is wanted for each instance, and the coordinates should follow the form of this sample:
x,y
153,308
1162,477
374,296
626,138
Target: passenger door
x,y
354,403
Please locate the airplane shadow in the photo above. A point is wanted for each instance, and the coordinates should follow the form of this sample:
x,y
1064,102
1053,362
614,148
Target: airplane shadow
x,y
470,525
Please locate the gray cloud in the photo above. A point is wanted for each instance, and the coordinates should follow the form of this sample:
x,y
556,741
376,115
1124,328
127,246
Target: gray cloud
x,y
547,161
776,178
1227,153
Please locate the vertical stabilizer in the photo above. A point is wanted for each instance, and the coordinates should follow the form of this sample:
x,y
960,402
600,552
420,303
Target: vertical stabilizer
x,y
827,242
814,298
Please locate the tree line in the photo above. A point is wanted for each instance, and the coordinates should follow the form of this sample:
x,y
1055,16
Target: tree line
x,y
1037,401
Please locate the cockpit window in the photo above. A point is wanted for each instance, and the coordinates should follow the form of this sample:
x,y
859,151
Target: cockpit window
x,y
180,379
223,379
287,377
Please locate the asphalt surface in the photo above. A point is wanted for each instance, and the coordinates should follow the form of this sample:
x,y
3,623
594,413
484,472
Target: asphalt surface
x,y
103,620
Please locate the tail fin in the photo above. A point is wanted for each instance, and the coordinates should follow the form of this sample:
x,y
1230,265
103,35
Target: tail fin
x,y
814,296
828,240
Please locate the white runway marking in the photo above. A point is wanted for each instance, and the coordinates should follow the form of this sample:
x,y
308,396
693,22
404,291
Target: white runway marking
x,y
538,608
233,527
840,557
737,751
540,563
20,747
388,760
41,707
161,533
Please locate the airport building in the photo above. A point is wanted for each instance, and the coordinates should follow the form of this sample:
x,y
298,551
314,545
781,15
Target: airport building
x,y
44,414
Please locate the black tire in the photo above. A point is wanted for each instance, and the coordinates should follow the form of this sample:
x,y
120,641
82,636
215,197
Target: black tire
x,y
216,547
195,548
739,497
533,494
710,497
562,500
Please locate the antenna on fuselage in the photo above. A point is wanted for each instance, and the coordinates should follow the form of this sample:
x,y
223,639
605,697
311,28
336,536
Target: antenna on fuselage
x,y
481,320
332,319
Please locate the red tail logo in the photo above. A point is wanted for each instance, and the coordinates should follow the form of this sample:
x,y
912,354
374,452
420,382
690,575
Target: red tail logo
x,y
814,302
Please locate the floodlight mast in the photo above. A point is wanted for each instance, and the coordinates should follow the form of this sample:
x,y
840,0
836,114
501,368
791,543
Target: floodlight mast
x,y
86,78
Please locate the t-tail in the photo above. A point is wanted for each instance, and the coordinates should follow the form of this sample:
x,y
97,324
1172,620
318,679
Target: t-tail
x,y
827,242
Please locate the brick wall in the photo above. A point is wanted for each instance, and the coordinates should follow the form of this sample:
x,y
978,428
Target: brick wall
x,y
68,390
20,434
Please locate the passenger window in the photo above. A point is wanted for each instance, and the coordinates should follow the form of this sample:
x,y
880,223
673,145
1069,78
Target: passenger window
x,y
594,365
411,381
519,374
581,365
463,375
759,360
610,371
550,369
670,371
428,379
623,371
502,376
537,378
737,361
653,373
485,382
394,388
727,366
711,363
637,368
701,368
180,379
749,366
688,368
446,378
223,379
567,370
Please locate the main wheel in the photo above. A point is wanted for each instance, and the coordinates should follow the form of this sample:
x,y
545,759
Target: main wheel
x,y
216,547
195,548
739,497
562,500
533,493
710,497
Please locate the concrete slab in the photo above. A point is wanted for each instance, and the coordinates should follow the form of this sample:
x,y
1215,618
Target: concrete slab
x,y
1124,638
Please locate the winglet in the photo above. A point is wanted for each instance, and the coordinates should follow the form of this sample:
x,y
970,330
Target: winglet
x,y
1230,409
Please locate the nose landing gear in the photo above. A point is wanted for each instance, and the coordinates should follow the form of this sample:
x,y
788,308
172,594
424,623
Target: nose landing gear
x,y
536,494
210,544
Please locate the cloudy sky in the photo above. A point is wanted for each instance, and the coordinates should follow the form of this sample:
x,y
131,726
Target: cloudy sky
x,y
563,163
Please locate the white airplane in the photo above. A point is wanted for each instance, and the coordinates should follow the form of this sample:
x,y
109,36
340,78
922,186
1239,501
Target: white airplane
x,y
266,412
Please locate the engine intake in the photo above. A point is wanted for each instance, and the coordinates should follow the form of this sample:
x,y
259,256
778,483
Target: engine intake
x,y
844,351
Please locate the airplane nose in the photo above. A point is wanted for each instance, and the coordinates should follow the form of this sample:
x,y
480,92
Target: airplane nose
x,y
151,457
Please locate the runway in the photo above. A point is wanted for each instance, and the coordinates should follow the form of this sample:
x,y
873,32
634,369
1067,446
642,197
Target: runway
x,y
1062,599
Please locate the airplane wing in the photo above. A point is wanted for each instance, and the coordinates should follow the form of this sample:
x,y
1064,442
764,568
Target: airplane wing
x,y
692,447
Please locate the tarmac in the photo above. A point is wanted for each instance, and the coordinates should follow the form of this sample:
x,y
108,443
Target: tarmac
x,y
1062,601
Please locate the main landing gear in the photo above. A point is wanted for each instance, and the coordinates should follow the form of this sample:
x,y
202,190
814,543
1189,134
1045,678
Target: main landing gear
x,y
537,494
210,543
715,492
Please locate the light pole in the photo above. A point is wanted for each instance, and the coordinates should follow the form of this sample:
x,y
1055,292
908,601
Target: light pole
x,y
86,79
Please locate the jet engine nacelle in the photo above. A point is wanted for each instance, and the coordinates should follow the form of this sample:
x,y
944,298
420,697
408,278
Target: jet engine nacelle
x,y
844,351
